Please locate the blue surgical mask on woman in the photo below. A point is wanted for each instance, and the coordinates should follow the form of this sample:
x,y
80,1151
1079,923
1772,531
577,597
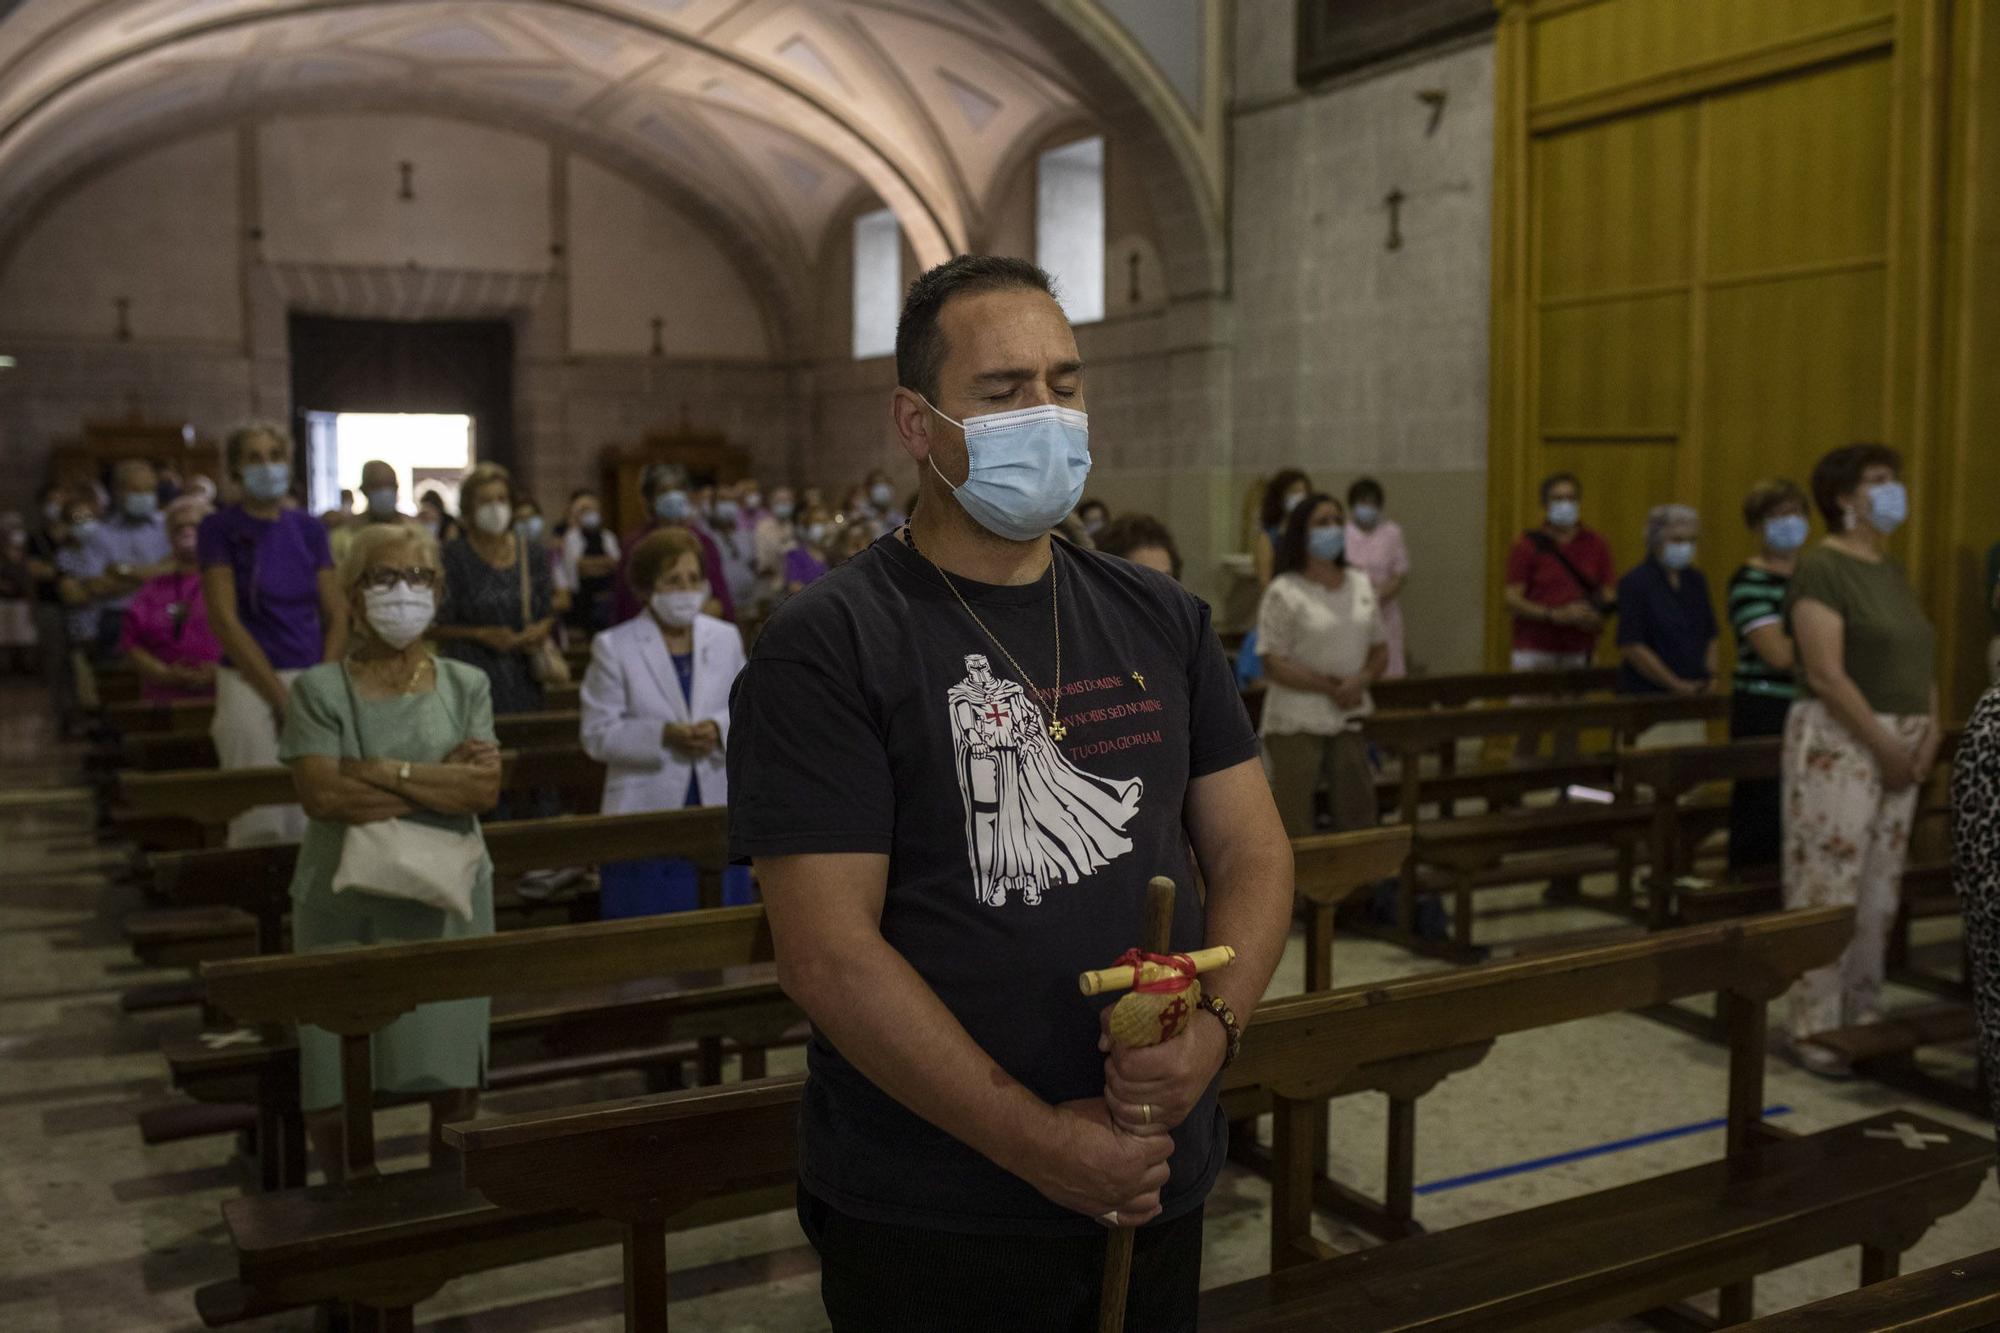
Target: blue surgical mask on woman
x,y
672,506
1677,555
266,482
726,513
141,505
1366,515
1785,533
1563,513
1327,544
1888,506
530,528
881,496
1025,469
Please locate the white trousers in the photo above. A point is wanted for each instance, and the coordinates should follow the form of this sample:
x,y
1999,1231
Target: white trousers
x,y
246,736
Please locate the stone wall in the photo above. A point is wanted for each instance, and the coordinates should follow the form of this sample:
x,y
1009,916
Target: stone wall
x,y
1352,358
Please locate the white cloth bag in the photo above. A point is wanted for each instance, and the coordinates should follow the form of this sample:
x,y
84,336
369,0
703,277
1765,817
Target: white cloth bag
x,y
408,858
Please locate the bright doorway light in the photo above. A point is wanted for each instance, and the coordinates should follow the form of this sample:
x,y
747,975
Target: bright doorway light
x,y
430,451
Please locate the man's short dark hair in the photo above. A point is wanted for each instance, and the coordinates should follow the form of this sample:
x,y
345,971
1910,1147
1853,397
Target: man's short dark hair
x,y
1556,479
1132,532
920,345
1839,473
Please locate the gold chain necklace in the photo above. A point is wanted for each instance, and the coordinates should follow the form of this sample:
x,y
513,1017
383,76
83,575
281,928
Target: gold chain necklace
x,y
1056,728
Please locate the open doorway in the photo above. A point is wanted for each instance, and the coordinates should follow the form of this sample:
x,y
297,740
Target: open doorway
x,y
429,450
430,398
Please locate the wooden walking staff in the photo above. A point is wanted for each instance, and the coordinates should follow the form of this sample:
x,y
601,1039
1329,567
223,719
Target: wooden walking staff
x,y
1161,995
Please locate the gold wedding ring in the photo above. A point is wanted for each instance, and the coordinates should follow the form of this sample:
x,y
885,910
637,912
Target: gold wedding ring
x,y
1145,1113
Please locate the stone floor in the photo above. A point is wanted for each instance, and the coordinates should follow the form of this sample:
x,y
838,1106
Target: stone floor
x,y
100,1234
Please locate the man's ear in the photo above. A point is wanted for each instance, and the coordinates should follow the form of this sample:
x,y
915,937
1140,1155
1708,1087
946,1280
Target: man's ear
x,y
911,420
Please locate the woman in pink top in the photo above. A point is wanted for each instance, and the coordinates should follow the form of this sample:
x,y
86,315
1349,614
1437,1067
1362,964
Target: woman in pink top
x,y
166,636
1375,547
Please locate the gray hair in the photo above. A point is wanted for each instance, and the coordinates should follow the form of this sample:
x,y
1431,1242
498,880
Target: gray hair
x,y
1661,517
232,447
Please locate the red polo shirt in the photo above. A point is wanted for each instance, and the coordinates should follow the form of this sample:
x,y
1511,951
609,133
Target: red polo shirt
x,y
1545,582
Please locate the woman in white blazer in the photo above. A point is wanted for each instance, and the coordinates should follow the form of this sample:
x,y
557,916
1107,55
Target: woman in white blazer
x,y
655,707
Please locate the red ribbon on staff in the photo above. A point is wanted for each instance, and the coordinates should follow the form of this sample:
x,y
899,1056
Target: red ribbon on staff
x,y
1181,965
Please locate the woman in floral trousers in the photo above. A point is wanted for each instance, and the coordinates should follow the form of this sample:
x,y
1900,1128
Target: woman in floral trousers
x,y
1860,742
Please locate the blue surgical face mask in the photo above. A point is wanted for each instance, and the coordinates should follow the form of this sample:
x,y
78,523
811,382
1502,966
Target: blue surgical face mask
x,y
1563,513
816,534
1025,469
783,510
1785,534
530,528
1888,506
1677,555
267,481
141,505
1327,544
381,501
726,513
881,496
672,506
1367,516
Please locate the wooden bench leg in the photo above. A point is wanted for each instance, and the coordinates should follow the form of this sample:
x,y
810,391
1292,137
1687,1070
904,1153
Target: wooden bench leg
x,y
1399,1182
1736,1304
646,1277
1461,910
1879,1265
711,1062
1292,1126
270,1148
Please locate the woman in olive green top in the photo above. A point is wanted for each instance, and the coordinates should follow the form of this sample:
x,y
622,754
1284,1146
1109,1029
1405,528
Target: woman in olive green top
x,y
390,732
1861,739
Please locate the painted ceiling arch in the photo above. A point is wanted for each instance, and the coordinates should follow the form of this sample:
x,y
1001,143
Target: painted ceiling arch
x,y
779,111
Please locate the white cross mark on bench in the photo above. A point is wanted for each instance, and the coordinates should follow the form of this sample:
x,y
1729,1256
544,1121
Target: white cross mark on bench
x,y
1907,1134
215,1041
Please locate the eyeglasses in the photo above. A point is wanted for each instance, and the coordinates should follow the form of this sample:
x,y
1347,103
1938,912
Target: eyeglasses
x,y
381,578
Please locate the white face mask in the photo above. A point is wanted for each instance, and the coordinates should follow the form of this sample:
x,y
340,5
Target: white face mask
x,y
494,518
399,614
678,608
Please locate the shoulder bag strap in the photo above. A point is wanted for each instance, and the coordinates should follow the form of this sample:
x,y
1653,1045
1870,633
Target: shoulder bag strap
x,y
1547,546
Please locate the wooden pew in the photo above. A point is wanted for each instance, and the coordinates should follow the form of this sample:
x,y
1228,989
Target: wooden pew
x,y
210,798
193,717
162,751
1459,690
1774,1198
617,1159
1959,1297
1413,735
387,1241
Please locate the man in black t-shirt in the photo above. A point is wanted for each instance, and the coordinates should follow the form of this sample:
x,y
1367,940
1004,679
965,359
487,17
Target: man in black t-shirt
x,y
956,762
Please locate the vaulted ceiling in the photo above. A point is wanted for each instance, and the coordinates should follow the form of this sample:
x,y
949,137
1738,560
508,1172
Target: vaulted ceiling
x,y
775,114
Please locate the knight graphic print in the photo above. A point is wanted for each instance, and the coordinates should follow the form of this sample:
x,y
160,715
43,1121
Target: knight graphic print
x,y
1032,819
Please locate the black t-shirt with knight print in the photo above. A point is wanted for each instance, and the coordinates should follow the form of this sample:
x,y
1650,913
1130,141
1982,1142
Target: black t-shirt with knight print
x,y
877,716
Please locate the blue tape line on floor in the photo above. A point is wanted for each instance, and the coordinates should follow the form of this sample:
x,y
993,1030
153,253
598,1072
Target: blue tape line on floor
x,y
1602,1149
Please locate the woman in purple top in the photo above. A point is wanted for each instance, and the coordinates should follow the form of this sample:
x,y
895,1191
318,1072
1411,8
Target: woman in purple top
x,y
276,608
805,559
166,635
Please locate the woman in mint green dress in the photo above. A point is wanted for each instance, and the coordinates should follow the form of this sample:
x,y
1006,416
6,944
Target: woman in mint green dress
x,y
390,732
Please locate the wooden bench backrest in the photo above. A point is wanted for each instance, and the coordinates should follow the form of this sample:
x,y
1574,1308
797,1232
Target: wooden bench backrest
x,y
212,796
1330,868
1415,732
194,716
1298,1056
251,877
1456,691
361,990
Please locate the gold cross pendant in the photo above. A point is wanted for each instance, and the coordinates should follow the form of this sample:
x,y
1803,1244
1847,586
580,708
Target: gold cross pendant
x,y
1057,730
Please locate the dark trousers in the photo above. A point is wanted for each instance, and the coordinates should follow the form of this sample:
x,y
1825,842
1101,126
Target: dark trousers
x,y
1756,813
877,1278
